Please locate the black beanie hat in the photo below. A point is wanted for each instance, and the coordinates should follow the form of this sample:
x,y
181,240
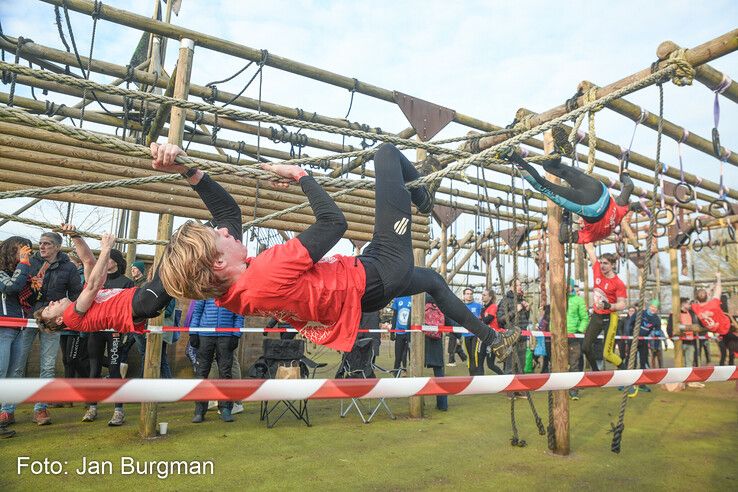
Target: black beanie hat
x,y
119,260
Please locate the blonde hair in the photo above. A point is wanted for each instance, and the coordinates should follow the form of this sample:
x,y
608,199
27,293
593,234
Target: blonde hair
x,y
186,269
45,323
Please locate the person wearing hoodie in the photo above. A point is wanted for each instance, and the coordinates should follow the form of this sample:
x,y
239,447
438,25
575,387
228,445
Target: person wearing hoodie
x,y
99,342
138,275
218,345
53,277
650,326
577,319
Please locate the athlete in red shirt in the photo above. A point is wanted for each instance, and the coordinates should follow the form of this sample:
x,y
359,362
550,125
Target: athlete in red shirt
x,y
610,296
128,309
585,196
709,312
322,298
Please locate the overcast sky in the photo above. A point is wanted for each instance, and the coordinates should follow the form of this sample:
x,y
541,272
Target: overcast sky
x,y
485,59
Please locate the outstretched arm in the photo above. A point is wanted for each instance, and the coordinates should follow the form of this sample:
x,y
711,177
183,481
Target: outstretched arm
x,y
330,224
718,287
83,251
224,209
591,254
628,186
98,275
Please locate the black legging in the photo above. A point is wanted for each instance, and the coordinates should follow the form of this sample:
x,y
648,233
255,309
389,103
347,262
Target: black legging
x,y
96,344
150,298
388,258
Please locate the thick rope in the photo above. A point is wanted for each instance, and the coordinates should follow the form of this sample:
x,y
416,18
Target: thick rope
x,y
589,97
246,115
618,429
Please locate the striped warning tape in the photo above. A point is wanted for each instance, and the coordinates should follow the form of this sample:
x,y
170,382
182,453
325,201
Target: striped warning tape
x,y
171,390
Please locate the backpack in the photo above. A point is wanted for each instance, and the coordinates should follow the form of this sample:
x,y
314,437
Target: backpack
x,y
434,317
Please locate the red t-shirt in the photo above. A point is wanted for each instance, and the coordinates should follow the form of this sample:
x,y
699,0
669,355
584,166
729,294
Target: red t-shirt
x,y
492,309
712,316
608,289
603,227
112,308
321,300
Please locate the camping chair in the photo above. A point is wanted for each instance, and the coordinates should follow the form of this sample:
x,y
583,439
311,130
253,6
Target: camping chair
x,y
284,359
359,364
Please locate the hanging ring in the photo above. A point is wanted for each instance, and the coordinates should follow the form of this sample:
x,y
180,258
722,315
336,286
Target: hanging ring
x,y
683,192
664,217
719,208
683,239
731,232
698,225
697,245
660,230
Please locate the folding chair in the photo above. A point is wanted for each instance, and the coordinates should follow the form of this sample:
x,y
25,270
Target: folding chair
x,y
359,364
290,354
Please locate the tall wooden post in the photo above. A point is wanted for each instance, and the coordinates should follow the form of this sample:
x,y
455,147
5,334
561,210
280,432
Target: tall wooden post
x,y
132,234
559,340
417,338
152,363
676,306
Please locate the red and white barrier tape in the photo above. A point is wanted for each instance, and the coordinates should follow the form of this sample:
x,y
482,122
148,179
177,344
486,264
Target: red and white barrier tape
x,y
171,390
31,323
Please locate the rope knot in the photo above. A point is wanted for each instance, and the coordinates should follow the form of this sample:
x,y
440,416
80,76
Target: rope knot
x,y
524,124
683,70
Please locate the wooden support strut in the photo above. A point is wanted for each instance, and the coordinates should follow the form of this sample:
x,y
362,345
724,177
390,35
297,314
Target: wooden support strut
x,y
152,364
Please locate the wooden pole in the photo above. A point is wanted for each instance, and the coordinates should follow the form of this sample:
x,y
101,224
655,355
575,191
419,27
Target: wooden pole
x,y
559,340
132,234
152,364
676,306
417,338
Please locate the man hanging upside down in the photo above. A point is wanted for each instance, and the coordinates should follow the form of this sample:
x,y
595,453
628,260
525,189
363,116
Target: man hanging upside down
x,y
322,298
127,310
585,196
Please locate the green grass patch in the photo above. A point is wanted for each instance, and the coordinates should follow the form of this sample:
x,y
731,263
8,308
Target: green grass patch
x,y
672,441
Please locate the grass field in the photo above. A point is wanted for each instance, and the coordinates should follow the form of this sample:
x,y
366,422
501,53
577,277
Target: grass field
x,y
673,441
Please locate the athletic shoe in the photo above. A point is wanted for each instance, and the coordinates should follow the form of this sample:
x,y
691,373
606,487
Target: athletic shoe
x,y
632,391
521,395
90,414
562,146
198,418
574,394
237,408
424,201
117,419
645,388
225,415
695,384
6,418
212,404
5,433
41,417
451,364
504,344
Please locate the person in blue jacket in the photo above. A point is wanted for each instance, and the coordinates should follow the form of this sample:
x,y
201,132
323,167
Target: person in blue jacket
x,y
214,344
401,308
471,342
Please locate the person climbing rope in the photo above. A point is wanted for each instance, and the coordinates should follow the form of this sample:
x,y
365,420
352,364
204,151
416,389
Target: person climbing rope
x,y
133,305
585,196
322,298
610,296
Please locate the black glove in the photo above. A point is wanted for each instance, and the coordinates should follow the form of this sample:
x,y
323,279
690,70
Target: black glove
x,y
233,343
488,318
393,335
194,340
606,305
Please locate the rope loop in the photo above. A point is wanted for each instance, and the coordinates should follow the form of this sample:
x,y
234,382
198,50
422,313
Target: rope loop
x,y
264,58
96,10
683,70
213,94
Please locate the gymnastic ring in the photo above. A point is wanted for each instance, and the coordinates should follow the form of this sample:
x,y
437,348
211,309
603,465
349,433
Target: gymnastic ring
x,y
660,230
731,232
683,192
698,225
683,239
664,217
697,245
719,208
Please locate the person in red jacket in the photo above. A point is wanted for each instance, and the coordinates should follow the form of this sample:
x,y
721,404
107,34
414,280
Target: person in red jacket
x,y
323,298
712,317
585,196
489,316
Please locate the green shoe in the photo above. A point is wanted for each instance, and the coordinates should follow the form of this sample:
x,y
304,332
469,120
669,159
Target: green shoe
x,y
562,146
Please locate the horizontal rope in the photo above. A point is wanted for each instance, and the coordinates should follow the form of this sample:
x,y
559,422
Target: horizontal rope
x,y
172,390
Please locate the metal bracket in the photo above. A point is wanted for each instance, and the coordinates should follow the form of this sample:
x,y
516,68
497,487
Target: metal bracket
x,y
638,258
425,117
487,254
